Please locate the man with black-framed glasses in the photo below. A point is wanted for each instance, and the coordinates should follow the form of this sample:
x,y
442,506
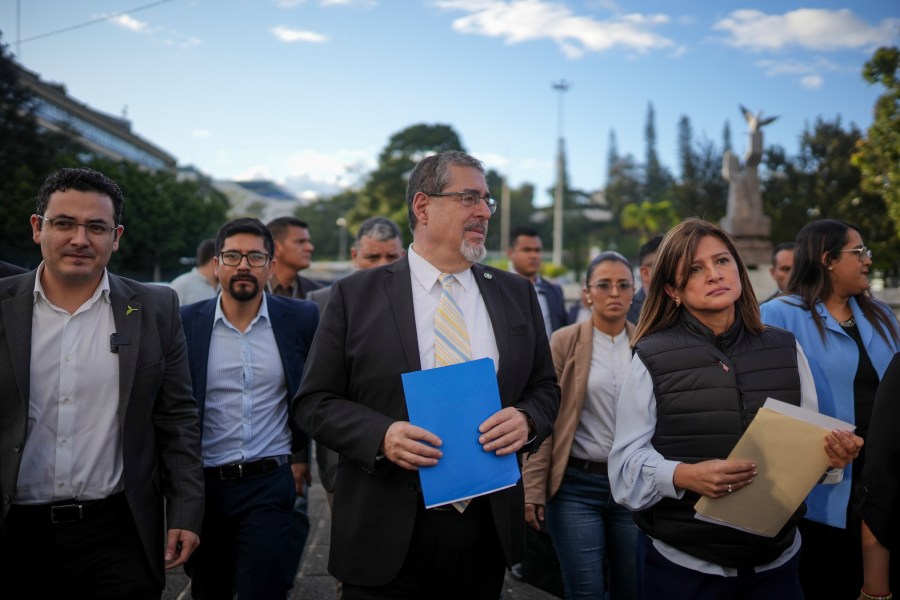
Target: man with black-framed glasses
x,y
99,440
255,458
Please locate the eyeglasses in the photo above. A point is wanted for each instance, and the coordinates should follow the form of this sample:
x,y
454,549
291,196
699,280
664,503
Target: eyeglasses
x,y
233,258
66,225
863,253
606,287
469,199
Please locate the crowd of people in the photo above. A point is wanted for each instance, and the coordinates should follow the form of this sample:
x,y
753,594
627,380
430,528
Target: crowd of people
x,y
148,427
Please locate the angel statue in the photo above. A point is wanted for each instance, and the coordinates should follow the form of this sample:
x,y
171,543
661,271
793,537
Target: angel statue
x,y
744,214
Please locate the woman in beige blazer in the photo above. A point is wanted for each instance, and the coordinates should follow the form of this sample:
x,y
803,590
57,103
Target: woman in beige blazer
x,y
566,480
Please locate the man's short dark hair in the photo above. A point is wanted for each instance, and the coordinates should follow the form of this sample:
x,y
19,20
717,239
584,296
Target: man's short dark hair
x,y
279,227
381,229
245,225
650,247
431,175
206,250
522,230
780,247
80,179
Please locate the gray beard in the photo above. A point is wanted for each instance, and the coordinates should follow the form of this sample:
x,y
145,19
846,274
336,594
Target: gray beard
x,y
472,252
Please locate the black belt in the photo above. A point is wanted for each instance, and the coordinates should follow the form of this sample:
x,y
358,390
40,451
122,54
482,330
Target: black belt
x,y
589,466
69,511
248,469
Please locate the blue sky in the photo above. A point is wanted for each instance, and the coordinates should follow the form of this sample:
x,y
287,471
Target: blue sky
x,y
307,92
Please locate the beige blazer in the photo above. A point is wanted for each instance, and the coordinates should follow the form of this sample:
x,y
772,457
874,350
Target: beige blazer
x,y
571,347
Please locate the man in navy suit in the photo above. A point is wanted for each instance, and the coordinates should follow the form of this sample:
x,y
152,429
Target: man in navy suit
x,y
255,458
381,323
525,259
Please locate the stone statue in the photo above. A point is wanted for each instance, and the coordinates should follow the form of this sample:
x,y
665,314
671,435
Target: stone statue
x,y
744,218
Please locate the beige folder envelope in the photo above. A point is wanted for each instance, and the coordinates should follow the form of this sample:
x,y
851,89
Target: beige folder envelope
x,y
787,443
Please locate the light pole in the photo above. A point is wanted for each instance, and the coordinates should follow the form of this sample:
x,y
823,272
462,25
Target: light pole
x,y
560,86
342,238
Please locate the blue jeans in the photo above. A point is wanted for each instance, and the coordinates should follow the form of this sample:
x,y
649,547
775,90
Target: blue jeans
x,y
587,526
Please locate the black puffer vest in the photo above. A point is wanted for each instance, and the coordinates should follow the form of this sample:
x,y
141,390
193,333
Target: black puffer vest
x,y
707,390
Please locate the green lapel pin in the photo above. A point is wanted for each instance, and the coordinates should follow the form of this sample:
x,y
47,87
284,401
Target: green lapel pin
x,y
130,310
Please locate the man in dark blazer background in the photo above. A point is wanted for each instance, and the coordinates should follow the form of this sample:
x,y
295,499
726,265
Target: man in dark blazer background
x,y
247,350
525,259
380,324
98,425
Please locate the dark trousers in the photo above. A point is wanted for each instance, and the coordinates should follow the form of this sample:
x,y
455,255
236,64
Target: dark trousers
x,y
98,557
452,555
664,580
830,560
244,545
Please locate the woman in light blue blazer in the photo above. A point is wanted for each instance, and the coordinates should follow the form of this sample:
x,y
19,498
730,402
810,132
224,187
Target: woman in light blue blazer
x,y
849,339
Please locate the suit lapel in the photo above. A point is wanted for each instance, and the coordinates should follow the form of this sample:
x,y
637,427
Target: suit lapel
x,y
490,293
287,351
398,287
18,311
127,314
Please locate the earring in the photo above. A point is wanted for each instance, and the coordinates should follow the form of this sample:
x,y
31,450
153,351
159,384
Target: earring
x,y
677,302
830,268
590,302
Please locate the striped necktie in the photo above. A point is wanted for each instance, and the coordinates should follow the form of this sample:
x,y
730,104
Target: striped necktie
x,y
451,338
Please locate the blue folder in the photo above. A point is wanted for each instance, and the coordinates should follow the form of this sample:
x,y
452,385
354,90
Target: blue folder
x,y
452,402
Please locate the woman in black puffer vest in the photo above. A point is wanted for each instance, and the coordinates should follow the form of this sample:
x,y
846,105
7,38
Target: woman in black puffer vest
x,y
704,364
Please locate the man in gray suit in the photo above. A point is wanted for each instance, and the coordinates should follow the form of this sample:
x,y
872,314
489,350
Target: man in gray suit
x,y
99,437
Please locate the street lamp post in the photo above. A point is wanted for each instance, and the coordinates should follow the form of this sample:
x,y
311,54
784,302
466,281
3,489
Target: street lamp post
x,y
560,86
342,238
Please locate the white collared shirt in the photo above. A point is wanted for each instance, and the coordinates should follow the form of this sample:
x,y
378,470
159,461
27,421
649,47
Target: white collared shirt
x,y
73,446
245,414
426,293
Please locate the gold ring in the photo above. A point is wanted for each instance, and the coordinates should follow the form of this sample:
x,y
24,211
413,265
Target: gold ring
x,y
729,488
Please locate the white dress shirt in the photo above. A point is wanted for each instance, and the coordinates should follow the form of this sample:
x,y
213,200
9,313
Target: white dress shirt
x,y
73,446
426,292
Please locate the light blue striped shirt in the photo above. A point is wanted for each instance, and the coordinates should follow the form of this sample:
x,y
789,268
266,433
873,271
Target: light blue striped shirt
x,y
245,415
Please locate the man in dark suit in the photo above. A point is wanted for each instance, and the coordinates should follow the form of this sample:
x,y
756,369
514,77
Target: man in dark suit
x,y
381,323
7,269
524,255
646,260
99,426
293,253
255,457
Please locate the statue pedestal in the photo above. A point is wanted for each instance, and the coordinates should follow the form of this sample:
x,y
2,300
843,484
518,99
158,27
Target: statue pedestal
x,y
755,251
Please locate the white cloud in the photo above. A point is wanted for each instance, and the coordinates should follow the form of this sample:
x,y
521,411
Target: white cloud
x,y
253,173
326,173
813,28
812,82
288,35
201,133
129,23
520,21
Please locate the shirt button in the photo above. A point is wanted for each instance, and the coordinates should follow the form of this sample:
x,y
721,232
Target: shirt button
x,y
60,484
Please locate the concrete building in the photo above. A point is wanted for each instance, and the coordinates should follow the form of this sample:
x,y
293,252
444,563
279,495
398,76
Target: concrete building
x,y
103,134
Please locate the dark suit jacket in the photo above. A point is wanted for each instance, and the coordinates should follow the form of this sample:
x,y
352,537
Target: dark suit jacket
x,y
556,303
352,392
293,322
157,415
7,269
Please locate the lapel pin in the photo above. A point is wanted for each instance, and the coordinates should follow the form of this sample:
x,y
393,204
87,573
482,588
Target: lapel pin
x,y
488,275
130,310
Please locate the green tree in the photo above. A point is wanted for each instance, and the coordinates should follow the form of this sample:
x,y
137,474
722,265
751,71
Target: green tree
x,y
878,154
322,217
648,218
27,156
657,179
164,219
384,190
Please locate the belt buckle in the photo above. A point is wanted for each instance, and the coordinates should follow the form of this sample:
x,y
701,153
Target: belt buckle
x,y
232,471
66,513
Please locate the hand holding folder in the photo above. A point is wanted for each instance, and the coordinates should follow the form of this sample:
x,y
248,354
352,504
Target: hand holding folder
x,y
787,444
